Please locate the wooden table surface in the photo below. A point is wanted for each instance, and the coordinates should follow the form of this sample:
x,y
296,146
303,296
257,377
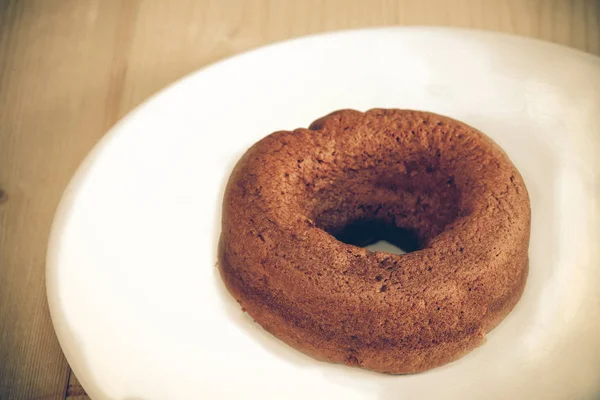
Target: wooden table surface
x,y
70,69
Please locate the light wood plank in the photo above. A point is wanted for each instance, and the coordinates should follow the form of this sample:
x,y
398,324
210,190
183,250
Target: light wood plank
x,y
70,69
54,84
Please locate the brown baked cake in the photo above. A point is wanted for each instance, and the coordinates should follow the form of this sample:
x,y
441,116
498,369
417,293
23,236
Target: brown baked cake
x,y
298,204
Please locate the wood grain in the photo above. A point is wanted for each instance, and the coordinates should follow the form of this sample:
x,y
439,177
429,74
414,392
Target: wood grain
x,y
70,69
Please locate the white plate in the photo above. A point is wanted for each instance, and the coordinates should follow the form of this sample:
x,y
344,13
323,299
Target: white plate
x,y
135,297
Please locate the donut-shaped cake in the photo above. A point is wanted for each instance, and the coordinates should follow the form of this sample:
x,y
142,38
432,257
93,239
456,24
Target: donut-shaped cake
x,y
300,203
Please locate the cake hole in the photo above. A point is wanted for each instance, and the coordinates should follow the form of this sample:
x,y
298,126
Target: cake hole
x,y
376,236
398,209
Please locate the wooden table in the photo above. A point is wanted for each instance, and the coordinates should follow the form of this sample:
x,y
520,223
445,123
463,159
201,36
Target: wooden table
x,y
70,69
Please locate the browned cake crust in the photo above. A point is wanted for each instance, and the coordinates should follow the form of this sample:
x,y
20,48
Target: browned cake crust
x,y
437,179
